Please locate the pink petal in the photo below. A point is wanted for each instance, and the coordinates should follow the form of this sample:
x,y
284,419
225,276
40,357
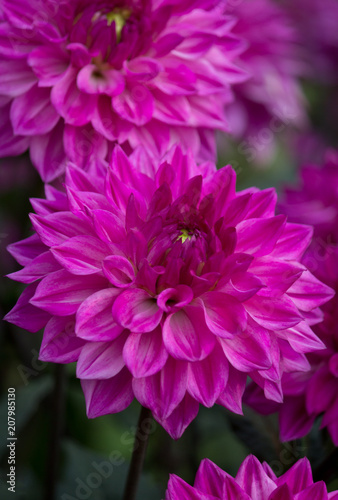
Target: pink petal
x,y
173,299
49,63
253,479
26,250
308,292
317,491
142,68
282,493
108,396
58,227
119,271
92,80
186,335
47,153
73,105
59,343
294,420
16,77
232,490
83,142
37,269
208,377
135,104
32,113
273,314
108,226
232,396
210,478
163,391
137,310
325,384
180,490
25,315
101,360
94,318
145,354
293,241
61,293
298,477
259,236
81,255
181,417
224,315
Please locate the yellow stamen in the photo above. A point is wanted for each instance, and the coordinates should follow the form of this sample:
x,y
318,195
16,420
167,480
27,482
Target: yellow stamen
x,y
184,236
119,16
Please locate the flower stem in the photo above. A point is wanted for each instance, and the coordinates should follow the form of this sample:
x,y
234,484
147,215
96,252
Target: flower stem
x,y
139,453
56,431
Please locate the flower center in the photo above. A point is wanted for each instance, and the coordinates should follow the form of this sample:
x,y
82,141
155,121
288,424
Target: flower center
x,y
186,234
119,16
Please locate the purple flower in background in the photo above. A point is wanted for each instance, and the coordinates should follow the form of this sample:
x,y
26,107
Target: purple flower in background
x,y
254,481
78,76
309,395
272,96
166,285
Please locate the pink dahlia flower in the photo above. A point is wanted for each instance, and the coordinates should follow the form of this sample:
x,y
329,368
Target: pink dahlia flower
x,y
254,481
79,76
165,285
274,61
315,393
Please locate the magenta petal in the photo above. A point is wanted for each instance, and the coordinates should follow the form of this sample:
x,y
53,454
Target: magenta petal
x,y
253,479
47,153
137,310
180,490
108,396
59,342
232,396
282,493
321,379
273,314
294,420
16,77
181,417
49,63
232,490
25,315
259,236
92,80
250,350
94,319
61,293
101,360
186,335
172,299
317,491
119,271
26,250
73,105
83,143
298,477
293,241
145,354
37,269
224,315
58,227
81,255
135,104
32,113
207,378
308,292
210,478
163,391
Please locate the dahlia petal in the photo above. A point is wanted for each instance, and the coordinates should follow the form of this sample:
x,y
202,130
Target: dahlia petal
x,y
25,315
49,63
317,491
135,104
16,77
322,378
61,293
47,153
232,396
166,44
282,493
273,314
277,275
333,365
118,270
145,354
83,142
32,114
294,420
249,350
252,478
10,143
142,68
302,338
37,269
208,377
94,318
163,391
263,203
298,477
210,478
181,417
180,490
176,112
224,315
76,107
108,226
259,236
308,292
59,343
101,360
293,241
90,80
26,250
81,255
232,490
108,396
186,335
58,227
137,310
172,299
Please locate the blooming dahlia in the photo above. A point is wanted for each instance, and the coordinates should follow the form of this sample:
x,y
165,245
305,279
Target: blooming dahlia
x,y
309,395
78,76
254,481
165,285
